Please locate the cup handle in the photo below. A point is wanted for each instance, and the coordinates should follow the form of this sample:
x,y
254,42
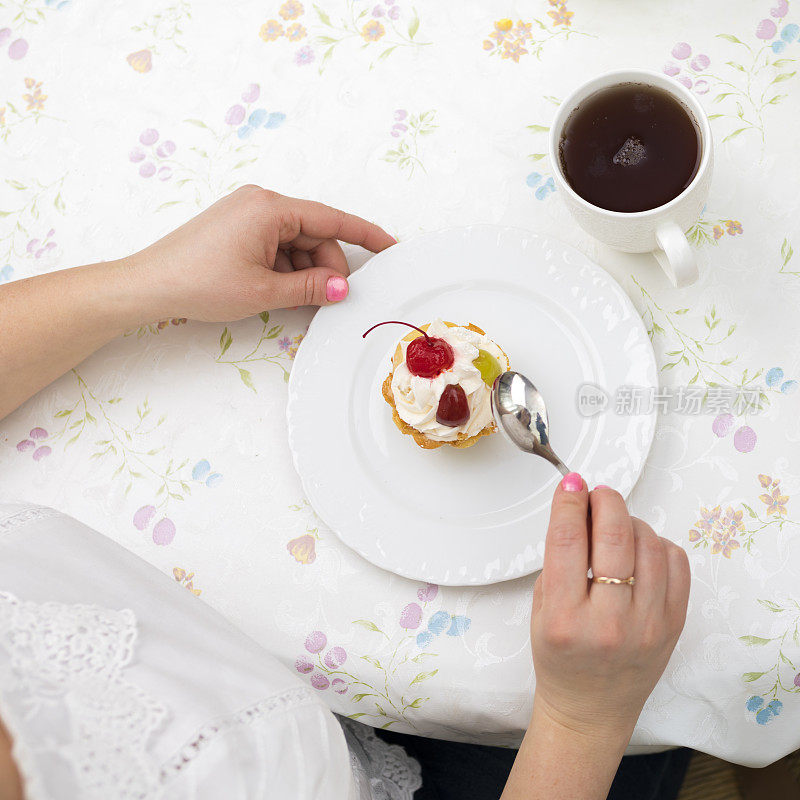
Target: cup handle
x,y
676,256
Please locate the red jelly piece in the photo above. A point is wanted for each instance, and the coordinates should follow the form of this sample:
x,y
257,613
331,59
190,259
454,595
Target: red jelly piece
x,y
453,407
428,356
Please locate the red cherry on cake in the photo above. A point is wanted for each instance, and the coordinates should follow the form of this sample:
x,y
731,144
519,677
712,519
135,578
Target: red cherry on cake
x,y
429,357
453,407
426,356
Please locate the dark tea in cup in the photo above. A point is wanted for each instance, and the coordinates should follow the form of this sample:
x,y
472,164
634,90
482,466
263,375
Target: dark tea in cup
x,y
630,147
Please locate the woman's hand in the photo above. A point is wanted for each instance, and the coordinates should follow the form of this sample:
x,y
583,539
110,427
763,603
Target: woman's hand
x,y
252,251
598,649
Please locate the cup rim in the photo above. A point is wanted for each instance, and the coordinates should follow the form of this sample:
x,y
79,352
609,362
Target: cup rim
x,y
632,75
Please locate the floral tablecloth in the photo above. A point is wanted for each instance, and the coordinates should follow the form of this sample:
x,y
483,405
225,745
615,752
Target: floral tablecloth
x,y
118,121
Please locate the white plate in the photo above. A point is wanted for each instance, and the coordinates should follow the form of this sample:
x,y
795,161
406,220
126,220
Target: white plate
x,y
478,515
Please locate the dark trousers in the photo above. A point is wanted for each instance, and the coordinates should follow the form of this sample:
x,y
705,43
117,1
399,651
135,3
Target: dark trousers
x,y
455,771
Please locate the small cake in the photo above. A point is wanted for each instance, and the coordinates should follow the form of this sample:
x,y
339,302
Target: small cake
x,y
441,382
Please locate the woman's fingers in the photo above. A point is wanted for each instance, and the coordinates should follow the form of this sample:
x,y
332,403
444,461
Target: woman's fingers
x,y
566,550
678,583
650,570
536,603
283,263
318,221
613,546
328,253
301,259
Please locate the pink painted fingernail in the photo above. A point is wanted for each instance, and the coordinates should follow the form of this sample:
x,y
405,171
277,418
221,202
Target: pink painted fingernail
x,y
602,486
336,289
572,482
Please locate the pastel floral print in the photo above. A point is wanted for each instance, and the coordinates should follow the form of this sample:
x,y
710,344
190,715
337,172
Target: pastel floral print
x,y
260,352
291,9
274,29
151,156
559,14
15,48
541,183
34,97
203,473
398,650
441,622
762,713
542,186
744,438
206,171
36,248
155,328
186,579
687,69
380,29
271,30
786,256
131,448
304,55
36,444
175,487
512,40
373,31
324,673
28,106
746,87
539,180
789,34
718,530
304,548
25,14
247,121
162,29
724,532
27,236
706,231
701,355
775,380
408,128
779,674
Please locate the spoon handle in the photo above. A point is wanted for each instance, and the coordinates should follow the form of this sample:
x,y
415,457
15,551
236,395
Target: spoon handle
x,y
561,466
548,454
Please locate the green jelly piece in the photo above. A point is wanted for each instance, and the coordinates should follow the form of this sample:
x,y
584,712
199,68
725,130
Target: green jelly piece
x,y
488,366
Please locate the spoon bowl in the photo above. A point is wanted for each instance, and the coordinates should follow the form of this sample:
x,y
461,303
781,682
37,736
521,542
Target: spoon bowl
x,y
521,416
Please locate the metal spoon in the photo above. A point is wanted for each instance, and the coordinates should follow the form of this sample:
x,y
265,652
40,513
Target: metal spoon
x,y
521,416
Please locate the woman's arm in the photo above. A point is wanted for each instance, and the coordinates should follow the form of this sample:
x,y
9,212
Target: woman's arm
x,y
52,322
252,251
562,760
598,649
558,762
10,781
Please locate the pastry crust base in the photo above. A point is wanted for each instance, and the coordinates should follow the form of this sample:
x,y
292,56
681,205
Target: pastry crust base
x,y
420,438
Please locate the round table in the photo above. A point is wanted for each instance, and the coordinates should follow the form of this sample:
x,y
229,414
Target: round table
x,y
118,122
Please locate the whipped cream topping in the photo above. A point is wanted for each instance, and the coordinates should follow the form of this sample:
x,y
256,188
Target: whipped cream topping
x,y
417,398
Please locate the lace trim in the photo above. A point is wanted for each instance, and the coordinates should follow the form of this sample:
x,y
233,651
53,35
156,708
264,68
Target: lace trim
x,y
383,770
63,681
24,516
248,716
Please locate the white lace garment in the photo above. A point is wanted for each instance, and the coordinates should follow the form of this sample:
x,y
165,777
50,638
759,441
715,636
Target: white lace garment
x,y
116,683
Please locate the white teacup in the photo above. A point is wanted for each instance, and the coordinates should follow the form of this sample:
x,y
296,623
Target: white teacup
x,y
661,229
